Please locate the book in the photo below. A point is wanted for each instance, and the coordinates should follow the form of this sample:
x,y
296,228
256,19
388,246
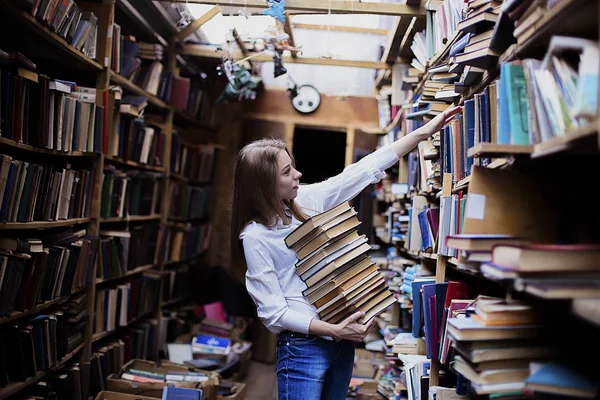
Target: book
x,y
481,242
547,257
181,393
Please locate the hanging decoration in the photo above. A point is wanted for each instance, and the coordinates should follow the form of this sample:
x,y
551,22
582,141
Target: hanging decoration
x,y
241,84
278,69
276,9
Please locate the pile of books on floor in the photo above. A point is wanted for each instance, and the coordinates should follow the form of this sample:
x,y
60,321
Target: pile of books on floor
x,y
332,260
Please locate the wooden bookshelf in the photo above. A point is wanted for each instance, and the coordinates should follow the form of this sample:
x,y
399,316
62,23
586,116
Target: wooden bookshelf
x,y
20,314
135,271
46,34
14,387
44,224
182,116
26,147
85,72
572,140
135,89
129,163
131,218
494,150
99,336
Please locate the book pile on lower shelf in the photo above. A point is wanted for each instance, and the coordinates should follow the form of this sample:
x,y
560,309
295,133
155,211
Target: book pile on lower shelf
x,y
340,277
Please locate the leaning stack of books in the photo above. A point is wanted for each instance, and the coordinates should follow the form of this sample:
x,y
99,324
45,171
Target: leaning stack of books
x,y
332,260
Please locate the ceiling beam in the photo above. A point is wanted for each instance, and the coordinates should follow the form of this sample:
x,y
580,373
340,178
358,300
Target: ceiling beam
x,y
337,28
324,6
203,51
287,28
196,24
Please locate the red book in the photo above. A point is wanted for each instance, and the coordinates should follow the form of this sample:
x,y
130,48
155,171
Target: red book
x,y
456,290
180,92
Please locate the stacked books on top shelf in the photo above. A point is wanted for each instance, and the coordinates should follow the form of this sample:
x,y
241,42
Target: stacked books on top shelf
x,y
340,277
69,20
141,63
48,113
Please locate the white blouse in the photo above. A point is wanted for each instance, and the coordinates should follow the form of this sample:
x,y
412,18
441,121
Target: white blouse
x,y
271,278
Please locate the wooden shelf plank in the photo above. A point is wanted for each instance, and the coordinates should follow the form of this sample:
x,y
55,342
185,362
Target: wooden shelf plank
x,y
132,218
14,387
20,314
132,87
26,147
35,26
43,224
566,142
134,271
496,150
129,163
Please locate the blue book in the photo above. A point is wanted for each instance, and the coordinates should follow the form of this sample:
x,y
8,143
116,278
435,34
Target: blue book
x,y
460,45
560,379
212,342
470,131
426,240
428,291
181,393
417,309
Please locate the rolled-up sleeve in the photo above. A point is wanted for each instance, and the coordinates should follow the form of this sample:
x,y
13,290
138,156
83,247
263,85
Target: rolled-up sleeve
x,y
263,286
350,182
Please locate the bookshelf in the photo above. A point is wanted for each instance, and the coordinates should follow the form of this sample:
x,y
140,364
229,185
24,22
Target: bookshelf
x,y
564,152
96,74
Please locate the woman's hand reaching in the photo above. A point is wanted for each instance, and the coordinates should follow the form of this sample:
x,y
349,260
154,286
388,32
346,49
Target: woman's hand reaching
x,y
441,120
408,142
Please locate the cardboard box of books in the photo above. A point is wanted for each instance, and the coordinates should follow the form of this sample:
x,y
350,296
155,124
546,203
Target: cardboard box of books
x,y
239,350
107,395
232,390
141,377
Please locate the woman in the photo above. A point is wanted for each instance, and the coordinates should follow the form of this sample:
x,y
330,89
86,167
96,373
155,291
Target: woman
x,y
314,358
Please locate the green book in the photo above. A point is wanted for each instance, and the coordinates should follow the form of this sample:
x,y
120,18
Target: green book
x,y
516,90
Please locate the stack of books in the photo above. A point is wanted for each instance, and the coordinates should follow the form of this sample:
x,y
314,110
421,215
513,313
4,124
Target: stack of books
x,y
340,277
474,249
496,343
474,48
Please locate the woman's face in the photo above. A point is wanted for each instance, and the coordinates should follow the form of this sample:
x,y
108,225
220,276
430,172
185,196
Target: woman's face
x,y
289,177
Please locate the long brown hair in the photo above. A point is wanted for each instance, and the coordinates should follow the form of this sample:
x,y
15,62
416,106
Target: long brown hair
x,y
255,194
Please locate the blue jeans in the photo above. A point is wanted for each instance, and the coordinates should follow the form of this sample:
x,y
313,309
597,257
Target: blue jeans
x,y
312,368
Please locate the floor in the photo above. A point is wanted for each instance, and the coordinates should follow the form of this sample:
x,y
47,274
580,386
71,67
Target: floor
x,y
261,383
